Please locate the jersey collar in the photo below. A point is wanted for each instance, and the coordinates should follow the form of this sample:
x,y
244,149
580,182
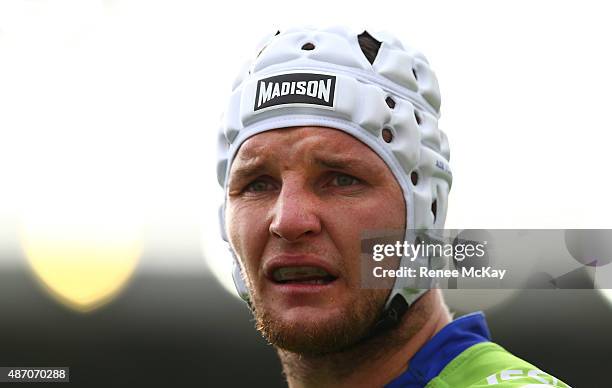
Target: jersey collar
x,y
441,349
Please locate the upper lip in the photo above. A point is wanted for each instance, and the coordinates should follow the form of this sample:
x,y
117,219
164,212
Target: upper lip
x,y
297,260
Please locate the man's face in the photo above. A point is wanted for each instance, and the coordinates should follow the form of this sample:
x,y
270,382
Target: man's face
x,y
298,200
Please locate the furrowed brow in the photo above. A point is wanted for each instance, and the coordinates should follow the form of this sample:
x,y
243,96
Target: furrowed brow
x,y
247,171
341,163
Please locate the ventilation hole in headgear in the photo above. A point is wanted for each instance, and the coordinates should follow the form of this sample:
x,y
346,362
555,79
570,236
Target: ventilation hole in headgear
x,y
369,46
417,116
434,209
390,102
416,77
387,135
414,178
308,46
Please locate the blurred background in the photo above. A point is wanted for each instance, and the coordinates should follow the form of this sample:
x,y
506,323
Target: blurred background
x,y
110,260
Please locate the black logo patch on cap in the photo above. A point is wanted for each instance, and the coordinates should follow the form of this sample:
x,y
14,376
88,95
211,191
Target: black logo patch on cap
x,y
296,88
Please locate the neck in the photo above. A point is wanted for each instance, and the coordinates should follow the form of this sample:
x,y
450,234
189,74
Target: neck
x,y
376,361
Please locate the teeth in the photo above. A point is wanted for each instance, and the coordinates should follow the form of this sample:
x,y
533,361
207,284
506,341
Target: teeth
x,y
314,281
298,273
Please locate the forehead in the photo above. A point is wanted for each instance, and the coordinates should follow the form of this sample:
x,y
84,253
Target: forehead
x,y
303,141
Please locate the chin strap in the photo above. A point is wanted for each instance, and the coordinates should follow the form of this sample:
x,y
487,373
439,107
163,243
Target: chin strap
x,y
399,304
392,315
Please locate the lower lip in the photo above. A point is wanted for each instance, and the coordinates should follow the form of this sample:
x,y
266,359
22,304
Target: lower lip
x,y
303,287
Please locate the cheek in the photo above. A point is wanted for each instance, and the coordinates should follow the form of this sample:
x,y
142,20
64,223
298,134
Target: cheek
x,y
247,232
347,222
376,212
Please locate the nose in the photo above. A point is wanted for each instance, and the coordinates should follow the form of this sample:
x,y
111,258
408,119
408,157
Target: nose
x,y
295,214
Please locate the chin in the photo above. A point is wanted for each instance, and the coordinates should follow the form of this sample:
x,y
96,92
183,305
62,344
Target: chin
x,y
311,319
312,330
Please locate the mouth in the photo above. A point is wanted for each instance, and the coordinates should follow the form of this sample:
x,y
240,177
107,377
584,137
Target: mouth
x,y
306,275
300,272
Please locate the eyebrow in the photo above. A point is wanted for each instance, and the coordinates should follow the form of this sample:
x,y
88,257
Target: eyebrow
x,y
342,163
249,170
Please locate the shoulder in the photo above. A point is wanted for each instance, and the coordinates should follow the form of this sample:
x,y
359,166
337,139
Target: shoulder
x,y
489,365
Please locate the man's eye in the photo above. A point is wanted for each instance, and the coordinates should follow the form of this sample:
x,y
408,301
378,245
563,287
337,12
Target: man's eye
x,y
258,186
344,180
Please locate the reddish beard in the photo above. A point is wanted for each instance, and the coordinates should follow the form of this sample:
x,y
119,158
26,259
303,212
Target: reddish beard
x,y
322,335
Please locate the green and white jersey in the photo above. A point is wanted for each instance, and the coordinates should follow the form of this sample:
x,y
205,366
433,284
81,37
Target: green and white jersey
x,y
462,356
489,365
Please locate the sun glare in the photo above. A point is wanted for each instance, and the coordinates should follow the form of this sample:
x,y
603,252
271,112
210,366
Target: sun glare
x,y
83,258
